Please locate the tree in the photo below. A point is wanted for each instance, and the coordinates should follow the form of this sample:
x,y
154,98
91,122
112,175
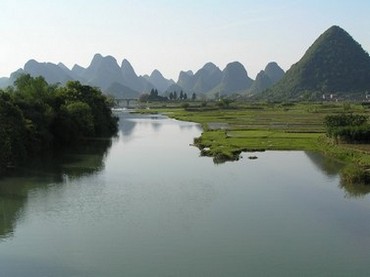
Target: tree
x,y
193,96
181,95
153,93
105,124
185,96
175,95
171,96
32,88
13,133
81,117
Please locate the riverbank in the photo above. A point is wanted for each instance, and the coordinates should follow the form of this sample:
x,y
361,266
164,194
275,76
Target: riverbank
x,y
243,127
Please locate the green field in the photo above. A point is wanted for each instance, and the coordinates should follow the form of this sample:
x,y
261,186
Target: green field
x,y
239,127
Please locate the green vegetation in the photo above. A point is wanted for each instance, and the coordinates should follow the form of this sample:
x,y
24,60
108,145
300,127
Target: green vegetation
x,y
154,96
350,128
334,64
231,129
36,117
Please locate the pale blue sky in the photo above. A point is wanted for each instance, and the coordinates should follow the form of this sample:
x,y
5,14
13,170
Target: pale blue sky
x,y
172,35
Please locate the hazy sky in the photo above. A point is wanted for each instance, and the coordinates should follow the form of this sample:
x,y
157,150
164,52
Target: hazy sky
x,y
172,35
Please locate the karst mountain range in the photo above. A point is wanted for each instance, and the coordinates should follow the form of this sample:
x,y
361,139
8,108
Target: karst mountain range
x,y
121,81
334,63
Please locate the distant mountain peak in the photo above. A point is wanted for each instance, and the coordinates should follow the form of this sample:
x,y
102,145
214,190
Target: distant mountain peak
x,y
234,80
97,56
274,72
63,66
265,79
188,72
51,72
126,64
77,67
102,71
156,73
235,68
96,59
111,59
127,69
210,66
31,62
334,63
160,82
271,65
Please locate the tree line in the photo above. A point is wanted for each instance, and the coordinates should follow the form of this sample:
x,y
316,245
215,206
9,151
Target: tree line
x,y
37,117
173,96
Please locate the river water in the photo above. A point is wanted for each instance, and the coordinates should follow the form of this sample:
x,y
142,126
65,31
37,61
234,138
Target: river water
x,y
146,204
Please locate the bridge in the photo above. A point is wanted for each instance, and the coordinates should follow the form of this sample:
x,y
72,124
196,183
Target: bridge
x,y
126,102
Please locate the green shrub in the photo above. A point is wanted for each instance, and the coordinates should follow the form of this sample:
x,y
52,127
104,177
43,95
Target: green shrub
x,y
350,128
355,175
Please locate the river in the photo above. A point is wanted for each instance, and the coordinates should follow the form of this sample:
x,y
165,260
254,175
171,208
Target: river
x,y
146,204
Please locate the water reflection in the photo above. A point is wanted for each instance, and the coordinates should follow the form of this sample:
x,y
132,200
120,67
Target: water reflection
x,y
331,168
127,128
354,190
74,163
325,164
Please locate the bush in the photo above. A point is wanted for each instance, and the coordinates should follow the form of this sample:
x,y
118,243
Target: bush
x,y
345,120
355,175
185,105
352,134
350,128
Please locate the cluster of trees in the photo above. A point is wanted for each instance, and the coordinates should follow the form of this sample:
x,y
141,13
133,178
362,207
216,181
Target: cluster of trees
x,y
350,128
181,96
173,96
36,116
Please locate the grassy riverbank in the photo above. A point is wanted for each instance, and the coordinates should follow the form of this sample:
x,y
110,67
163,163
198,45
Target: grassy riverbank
x,y
240,127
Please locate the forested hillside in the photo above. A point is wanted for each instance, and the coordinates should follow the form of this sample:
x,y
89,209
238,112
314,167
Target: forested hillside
x,y
334,64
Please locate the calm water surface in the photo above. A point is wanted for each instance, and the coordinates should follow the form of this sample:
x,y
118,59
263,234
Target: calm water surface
x,y
146,204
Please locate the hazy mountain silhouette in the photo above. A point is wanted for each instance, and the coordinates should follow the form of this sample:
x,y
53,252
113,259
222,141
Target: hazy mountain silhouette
x,y
120,91
234,80
51,72
158,81
186,80
207,78
4,82
173,88
15,75
274,72
78,71
102,72
335,63
262,82
267,78
133,81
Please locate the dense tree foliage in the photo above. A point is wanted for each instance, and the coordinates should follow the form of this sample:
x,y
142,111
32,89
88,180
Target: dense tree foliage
x,y
13,133
35,117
